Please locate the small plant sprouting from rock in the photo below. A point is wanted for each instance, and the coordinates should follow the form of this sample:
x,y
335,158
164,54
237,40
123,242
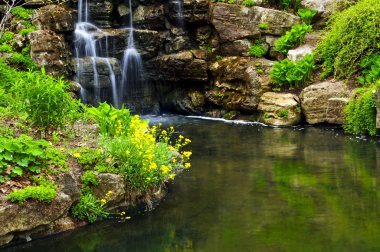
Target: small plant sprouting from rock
x,y
307,15
257,50
264,26
283,113
292,38
248,3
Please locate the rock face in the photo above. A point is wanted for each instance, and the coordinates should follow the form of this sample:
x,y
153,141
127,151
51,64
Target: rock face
x,y
234,22
335,110
238,83
50,50
325,8
53,17
315,100
279,109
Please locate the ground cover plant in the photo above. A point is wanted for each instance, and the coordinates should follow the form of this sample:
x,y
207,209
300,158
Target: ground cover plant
x,y
292,38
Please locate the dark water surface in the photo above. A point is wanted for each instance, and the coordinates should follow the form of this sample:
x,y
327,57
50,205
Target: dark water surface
x,y
253,188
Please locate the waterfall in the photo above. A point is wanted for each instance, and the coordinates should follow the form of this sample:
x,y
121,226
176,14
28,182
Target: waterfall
x,y
92,58
179,12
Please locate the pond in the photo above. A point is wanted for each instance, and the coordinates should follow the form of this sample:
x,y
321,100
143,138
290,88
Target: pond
x,y
253,188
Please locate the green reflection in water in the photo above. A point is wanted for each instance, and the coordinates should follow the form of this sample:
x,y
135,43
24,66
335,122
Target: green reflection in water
x,y
253,188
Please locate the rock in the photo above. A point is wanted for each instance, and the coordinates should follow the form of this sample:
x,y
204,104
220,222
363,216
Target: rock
x,y
378,109
239,83
102,11
183,100
187,11
279,109
16,218
50,50
5,239
70,183
176,40
234,22
236,48
325,8
335,110
315,99
178,67
110,182
34,3
123,10
53,17
85,71
150,17
299,52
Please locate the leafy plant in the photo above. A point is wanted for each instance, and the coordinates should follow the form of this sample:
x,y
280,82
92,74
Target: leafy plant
x,y
264,26
257,50
88,179
292,38
370,69
350,36
21,12
218,57
288,73
7,37
44,99
360,113
231,1
307,15
6,48
89,208
40,193
21,154
283,113
21,59
248,3
110,120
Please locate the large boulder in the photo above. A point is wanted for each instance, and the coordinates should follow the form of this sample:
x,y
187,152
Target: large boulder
x,y
178,67
279,109
235,22
315,99
150,17
335,110
53,17
238,83
50,50
102,12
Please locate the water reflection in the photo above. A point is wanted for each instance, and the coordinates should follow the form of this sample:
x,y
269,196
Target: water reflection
x,y
253,188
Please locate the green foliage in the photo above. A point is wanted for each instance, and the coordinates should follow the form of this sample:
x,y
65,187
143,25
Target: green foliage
x,y
248,3
283,113
288,73
307,15
7,37
285,4
88,180
292,38
231,1
110,120
370,69
257,50
40,193
264,26
26,31
218,57
351,35
6,48
23,154
360,113
44,99
89,208
21,12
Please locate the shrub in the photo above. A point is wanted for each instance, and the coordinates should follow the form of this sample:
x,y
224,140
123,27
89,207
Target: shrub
x,y
89,208
248,3
307,15
40,193
257,50
370,69
44,99
360,113
288,73
25,154
351,35
292,38
264,26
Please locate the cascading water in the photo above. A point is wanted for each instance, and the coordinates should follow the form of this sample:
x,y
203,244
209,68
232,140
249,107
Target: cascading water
x,y
92,58
179,12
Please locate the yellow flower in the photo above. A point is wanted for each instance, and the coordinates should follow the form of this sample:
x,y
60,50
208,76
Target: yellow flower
x,y
171,148
173,160
187,154
152,166
61,149
127,217
164,169
171,176
122,213
103,202
109,193
187,165
76,154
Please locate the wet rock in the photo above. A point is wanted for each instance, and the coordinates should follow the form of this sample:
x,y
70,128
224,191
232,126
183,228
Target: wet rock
x,y
315,99
184,100
87,66
50,50
102,13
110,182
378,109
236,48
16,218
182,66
150,17
53,17
234,22
239,83
335,110
196,11
279,109
5,239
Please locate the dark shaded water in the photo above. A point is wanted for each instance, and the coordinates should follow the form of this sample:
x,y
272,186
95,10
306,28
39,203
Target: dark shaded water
x,y
253,188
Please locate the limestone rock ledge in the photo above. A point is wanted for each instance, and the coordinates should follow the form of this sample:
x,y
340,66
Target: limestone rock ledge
x,y
34,219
